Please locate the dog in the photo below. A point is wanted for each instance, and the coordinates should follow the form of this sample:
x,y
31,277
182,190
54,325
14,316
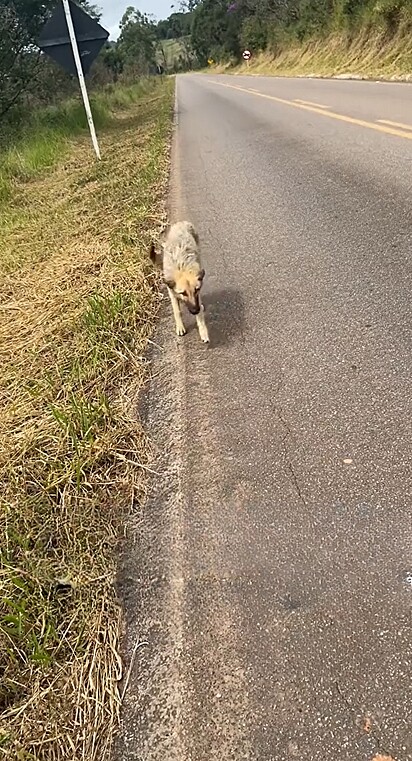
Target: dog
x,y
183,274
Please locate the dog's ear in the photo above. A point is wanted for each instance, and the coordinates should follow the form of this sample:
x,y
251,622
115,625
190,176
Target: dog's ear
x,y
153,252
163,235
169,282
201,275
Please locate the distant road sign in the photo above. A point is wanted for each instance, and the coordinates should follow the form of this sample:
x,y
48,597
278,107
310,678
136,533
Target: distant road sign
x,y
246,55
54,39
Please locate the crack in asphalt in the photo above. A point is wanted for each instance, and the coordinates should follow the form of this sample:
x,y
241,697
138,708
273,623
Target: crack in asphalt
x,y
278,410
358,716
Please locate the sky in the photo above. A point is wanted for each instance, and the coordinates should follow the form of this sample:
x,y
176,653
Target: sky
x,y
113,11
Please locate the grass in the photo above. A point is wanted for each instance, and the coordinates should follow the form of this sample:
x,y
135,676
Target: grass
x,y
175,51
46,135
77,305
367,55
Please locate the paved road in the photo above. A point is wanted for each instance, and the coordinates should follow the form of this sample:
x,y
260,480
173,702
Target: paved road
x,y
272,570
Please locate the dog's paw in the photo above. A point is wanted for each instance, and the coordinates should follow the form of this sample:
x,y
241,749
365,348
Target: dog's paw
x,y
204,337
180,330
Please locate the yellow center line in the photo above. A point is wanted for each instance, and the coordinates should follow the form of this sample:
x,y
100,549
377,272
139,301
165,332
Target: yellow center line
x,y
309,103
395,124
317,110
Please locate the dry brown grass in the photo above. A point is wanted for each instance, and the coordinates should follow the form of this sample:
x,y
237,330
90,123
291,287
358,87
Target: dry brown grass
x,y
78,300
364,56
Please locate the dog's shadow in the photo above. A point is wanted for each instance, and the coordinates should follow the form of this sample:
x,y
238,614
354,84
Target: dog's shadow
x,y
225,315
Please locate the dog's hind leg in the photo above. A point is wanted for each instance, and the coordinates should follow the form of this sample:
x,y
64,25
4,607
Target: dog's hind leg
x,y
201,324
180,328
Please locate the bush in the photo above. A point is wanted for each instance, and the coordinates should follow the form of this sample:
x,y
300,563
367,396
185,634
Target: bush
x,y
254,34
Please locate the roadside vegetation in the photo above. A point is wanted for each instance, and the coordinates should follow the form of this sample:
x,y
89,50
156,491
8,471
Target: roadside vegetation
x,y
363,56
176,55
366,38
29,80
77,305
78,299
363,38
321,37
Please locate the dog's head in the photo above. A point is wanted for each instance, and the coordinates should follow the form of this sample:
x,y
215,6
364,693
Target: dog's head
x,y
186,285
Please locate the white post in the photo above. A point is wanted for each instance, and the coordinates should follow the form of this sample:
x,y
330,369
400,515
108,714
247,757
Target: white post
x,y
80,74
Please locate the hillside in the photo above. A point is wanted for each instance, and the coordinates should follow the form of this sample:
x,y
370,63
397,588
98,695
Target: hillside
x,y
337,56
174,54
361,38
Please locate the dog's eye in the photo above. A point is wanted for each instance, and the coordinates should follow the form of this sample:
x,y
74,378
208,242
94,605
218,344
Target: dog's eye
x,y
197,289
183,293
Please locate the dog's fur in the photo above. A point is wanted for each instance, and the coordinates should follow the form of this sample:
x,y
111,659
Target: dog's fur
x,y
183,274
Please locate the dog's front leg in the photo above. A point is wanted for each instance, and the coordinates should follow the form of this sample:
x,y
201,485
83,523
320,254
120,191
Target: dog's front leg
x,y
201,324
180,328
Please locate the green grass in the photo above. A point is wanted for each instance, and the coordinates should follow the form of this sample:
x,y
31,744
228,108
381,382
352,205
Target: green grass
x,y
46,136
78,304
31,155
175,52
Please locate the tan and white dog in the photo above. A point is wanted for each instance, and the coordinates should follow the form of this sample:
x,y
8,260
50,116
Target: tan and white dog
x,y
183,274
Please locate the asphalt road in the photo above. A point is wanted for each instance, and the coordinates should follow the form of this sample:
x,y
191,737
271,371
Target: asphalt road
x,y
271,572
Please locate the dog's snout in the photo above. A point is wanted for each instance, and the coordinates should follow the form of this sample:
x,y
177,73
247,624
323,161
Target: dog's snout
x,y
194,305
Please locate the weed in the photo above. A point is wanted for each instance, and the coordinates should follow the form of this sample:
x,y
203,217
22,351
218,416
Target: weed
x,y
47,133
373,49
78,301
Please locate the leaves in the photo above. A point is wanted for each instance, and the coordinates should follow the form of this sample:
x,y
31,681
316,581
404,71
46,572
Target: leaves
x,y
137,42
20,62
222,28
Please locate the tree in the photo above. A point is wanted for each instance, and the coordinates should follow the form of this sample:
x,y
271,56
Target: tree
x,y
315,16
113,60
20,59
215,31
188,6
137,41
176,26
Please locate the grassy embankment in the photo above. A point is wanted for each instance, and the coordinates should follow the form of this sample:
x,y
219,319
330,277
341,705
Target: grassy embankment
x,y
77,305
378,47
173,52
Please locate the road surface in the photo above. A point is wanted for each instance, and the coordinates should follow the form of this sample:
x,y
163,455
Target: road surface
x,y
271,571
